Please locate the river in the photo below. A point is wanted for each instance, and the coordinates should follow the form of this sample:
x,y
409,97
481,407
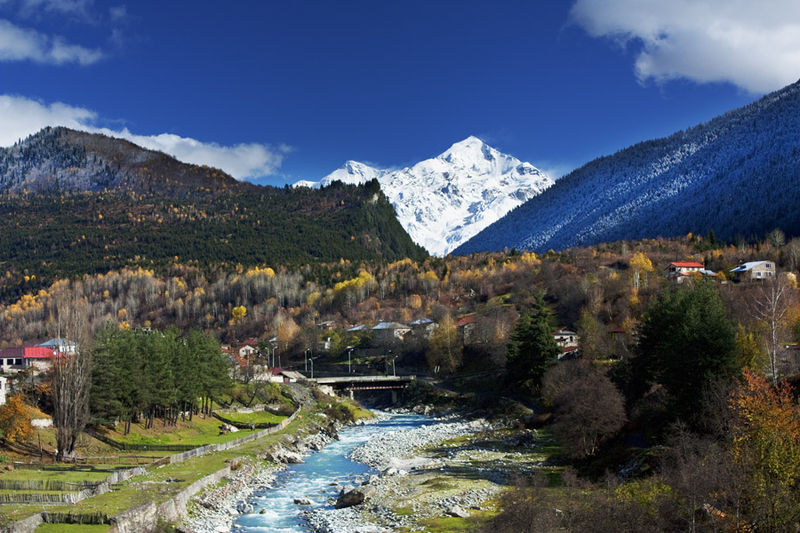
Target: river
x,y
319,479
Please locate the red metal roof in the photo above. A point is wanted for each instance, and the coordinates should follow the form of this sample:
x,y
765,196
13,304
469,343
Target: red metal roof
x,y
465,320
27,352
39,352
688,265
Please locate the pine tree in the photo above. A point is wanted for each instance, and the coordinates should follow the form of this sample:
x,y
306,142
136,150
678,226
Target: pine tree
x,y
532,348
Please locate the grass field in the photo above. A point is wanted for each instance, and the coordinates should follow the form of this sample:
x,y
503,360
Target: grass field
x,y
197,432
154,486
256,417
64,474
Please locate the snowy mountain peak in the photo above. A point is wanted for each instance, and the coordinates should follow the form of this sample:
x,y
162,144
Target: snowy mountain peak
x,y
445,200
469,151
352,172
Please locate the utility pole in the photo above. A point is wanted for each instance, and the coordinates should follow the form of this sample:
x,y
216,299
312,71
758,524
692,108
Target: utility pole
x,y
349,354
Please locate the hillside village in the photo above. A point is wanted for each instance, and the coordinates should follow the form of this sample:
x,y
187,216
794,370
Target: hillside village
x,y
467,322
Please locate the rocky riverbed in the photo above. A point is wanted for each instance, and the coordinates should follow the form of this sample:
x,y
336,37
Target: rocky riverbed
x,y
215,510
445,467
404,463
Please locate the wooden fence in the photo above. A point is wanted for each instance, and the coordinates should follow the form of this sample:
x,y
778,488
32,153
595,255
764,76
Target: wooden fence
x,y
91,489
125,446
203,450
248,425
46,484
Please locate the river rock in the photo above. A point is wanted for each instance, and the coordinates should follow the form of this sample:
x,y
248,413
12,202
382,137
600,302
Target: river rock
x,y
302,501
282,455
355,496
457,512
243,507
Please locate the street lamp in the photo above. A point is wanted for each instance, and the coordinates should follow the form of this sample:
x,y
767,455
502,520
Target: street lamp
x,y
312,368
305,357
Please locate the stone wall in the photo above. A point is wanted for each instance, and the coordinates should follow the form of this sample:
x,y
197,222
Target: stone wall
x,y
145,517
27,525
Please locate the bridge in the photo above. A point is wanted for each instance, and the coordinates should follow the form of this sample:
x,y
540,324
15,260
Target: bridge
x,y
363,383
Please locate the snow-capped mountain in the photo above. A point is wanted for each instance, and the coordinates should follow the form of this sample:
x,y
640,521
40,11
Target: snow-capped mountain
x,y
352,172
443,201
738,175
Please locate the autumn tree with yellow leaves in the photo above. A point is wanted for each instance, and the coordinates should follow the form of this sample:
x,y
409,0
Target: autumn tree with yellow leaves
x,y
15,419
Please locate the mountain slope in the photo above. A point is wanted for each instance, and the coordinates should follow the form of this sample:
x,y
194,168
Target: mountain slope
x,y
64,160
737,175
74,203
445,200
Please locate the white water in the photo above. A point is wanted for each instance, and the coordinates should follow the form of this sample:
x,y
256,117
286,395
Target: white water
x,y
316,479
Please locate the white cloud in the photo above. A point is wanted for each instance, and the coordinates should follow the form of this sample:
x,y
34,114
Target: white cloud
x,y
240,160
21,44
118,12
62,7
21,116
754,45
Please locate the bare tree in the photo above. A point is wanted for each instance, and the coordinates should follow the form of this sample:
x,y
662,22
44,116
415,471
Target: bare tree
x,y
71,373
770,305
792,250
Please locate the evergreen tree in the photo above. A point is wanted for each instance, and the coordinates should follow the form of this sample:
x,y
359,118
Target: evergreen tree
x,y
532,348
686,342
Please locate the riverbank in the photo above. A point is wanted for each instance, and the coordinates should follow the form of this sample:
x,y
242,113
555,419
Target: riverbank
x,y
444,475
398,456
215,509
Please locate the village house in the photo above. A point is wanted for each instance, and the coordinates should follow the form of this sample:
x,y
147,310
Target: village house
x,y
38,356
389,332
328,325
680,271
466,326
11,360
247,349
754,270
61,345
567,340
423,327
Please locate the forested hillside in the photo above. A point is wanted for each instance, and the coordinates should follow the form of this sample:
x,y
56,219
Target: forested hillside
x,y
76,203
736,175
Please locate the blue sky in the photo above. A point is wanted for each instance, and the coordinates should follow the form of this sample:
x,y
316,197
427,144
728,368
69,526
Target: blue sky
x,y
276,91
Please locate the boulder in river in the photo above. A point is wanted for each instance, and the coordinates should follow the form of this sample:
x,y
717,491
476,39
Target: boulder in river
x,y
354,496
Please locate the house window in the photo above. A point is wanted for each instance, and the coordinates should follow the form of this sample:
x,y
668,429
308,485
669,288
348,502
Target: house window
x,y
17,361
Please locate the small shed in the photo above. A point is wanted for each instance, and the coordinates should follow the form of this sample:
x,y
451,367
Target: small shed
x,y
279,375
